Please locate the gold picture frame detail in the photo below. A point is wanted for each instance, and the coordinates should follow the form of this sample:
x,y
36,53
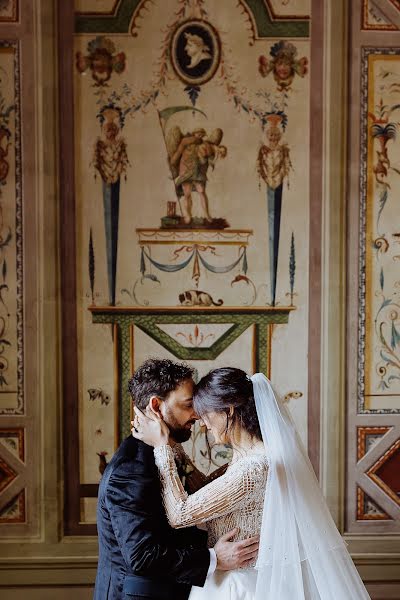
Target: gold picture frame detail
x,y
195,51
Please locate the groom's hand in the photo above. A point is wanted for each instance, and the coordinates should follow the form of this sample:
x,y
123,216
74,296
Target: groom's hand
x,y
233,555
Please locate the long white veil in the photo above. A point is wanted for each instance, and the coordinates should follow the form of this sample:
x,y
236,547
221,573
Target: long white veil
x,y
302,556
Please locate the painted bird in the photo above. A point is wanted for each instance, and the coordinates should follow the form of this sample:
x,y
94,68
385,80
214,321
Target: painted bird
x,y
103,461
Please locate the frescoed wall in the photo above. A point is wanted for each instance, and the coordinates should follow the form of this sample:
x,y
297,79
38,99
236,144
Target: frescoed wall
x,y
374,400
382,368
210,181
191,150
17,493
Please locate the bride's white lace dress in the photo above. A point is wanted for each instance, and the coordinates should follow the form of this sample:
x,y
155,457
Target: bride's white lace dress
x,y
234,500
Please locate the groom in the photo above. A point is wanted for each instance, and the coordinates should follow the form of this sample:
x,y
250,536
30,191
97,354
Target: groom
x,y
140,555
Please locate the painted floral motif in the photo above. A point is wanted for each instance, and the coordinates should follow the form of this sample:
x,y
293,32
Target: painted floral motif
x,y
384,171
6,142
5,138
195,339
382,130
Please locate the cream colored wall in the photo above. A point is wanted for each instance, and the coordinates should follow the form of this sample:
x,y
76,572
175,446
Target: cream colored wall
x,y
47,565
235,192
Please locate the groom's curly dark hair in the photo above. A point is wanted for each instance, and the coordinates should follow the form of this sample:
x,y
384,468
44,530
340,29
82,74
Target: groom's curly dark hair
x,y
157,377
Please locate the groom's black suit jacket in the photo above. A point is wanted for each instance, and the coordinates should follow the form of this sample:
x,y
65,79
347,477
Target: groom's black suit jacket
x,y
140,555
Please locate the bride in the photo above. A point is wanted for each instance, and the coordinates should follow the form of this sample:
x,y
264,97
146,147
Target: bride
x,y
269,488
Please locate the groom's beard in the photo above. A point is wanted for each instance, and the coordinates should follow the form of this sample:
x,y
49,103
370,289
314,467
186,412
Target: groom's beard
x,y
179,433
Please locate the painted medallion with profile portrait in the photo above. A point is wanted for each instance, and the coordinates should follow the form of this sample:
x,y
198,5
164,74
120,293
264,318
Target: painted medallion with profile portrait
x,y
195,51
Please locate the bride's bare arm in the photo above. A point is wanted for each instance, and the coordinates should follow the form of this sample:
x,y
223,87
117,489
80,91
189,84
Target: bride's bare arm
x,y
218,498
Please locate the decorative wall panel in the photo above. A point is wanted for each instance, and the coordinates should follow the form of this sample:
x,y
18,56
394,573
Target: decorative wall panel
x,y
379,315
374,399
191,198
20,252
13,468
11,263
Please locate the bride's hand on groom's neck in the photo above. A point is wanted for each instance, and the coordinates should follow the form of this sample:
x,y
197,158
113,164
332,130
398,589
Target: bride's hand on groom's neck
x,y
149,427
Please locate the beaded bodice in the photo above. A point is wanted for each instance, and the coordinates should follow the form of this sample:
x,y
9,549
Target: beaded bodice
x,y
234,500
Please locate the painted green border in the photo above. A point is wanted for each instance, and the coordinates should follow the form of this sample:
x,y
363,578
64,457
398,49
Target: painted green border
x,y
266,28
148,320
119,23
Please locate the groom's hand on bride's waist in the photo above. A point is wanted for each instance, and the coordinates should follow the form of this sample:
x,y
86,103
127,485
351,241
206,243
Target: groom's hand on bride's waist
x,y
233,555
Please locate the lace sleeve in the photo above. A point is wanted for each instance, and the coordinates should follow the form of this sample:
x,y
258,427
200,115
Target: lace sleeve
x,y
192,479
217,498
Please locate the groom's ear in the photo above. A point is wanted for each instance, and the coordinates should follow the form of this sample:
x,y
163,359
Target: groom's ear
x,y
154,404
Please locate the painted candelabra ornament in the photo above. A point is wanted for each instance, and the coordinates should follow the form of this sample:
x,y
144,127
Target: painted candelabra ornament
x,y
273,165
283,64
382,130
111,161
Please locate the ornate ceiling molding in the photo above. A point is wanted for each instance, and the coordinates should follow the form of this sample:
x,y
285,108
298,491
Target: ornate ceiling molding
x,y
122,18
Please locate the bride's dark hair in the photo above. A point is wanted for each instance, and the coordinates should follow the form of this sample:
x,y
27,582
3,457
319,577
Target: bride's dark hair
x,y
222,388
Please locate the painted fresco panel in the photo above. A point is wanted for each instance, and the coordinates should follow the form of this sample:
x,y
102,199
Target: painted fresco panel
x,y
192,189
11,314
373,403
380,238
